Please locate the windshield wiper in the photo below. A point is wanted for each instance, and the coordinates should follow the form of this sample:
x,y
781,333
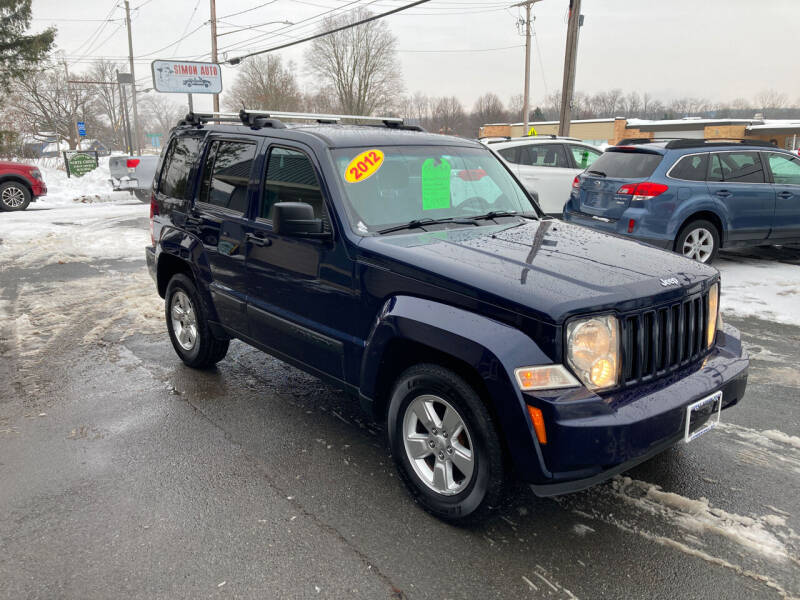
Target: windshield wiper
x,y
417,223
600,173
501,213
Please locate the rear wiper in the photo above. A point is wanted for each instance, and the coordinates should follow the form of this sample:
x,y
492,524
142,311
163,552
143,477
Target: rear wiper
x,y
600,173
417,223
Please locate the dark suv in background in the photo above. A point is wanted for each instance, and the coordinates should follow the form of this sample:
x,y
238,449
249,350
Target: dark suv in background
x,y
415,271
692,196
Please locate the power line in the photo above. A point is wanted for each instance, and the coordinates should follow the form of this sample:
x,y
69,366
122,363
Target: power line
x,y
241,12
185,29
239,59
466,49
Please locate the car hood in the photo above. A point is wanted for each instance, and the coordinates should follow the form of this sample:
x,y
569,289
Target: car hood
x,y
7,164
547,269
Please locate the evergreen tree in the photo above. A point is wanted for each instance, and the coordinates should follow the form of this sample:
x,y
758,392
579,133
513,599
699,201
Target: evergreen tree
x,y
20,53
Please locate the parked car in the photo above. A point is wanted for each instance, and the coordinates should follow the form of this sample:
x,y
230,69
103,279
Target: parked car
x,y
20,184
692,196
133,174
492,341
547,165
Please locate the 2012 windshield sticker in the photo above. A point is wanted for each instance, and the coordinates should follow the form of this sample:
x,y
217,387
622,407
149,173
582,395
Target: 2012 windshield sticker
x,y
363,166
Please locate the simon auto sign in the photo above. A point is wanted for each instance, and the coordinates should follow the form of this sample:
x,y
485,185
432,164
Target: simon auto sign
x,y
181,77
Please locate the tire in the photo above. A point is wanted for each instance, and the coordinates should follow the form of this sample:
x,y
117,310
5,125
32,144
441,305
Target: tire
x,y
14,196
142,195
422,462
700,232
188,328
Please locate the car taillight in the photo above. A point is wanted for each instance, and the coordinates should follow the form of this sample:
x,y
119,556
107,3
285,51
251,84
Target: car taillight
x,y
153,213
132,163
642,191
576,183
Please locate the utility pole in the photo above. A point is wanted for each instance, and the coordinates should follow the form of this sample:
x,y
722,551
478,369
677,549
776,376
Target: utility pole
x,y
133,80
214,45
125,118
74,109
526,108
570,58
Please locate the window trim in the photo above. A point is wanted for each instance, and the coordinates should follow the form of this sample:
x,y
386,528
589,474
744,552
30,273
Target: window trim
x,y
208,206
681,157
785,155
263,182
164,165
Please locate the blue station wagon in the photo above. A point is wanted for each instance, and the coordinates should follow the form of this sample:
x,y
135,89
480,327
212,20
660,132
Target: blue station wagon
x,y
414,271
692,196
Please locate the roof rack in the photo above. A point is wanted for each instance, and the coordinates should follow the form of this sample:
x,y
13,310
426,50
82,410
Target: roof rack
x,y
687,143
508,138
642,140
257,119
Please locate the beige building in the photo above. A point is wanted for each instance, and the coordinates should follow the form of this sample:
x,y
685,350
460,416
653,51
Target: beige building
x,y
783,133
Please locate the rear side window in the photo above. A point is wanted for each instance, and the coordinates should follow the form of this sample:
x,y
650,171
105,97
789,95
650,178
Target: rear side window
x,y
177,165
691,168
510,154
543,155
736,167
227,174
290,178
583,155
626,165
785,169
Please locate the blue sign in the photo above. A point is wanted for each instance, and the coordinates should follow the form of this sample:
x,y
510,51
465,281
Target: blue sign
x,y
81,129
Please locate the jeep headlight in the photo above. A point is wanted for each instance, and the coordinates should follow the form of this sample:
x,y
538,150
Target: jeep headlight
x,y
714,319
593,351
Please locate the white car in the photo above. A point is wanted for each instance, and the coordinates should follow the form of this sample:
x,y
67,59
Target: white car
x,y
546,165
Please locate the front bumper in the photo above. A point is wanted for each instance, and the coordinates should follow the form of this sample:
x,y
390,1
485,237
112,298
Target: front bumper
x,y
39,188
591,438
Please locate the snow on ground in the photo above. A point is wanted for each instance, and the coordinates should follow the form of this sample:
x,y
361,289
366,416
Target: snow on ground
x,y
766,289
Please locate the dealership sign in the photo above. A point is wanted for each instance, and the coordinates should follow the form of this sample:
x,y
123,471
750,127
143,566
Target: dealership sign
x,y
180,77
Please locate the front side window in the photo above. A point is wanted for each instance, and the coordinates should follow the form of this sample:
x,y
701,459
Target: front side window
x,y
544,155
177,164
290,177
691,168
583,155
736,167
405,183
510,154
226,175
785,169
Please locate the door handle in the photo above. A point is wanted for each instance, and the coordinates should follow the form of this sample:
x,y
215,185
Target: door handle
x,y
723,193
785,195
256,239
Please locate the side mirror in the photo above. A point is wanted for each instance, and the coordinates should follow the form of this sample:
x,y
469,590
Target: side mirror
x,y
296,219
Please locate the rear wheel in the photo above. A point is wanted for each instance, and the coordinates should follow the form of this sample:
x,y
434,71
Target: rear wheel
x,y
14,196
444,444
187,323
698,240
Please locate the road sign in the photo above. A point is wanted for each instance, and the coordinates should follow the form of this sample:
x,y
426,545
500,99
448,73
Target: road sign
x,y
80,163
81,129
181,77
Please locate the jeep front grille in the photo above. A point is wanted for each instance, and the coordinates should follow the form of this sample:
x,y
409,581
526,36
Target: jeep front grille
x,y
658,341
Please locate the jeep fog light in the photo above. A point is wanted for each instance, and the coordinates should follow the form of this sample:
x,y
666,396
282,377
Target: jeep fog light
x,y
713,314
593,351
545,377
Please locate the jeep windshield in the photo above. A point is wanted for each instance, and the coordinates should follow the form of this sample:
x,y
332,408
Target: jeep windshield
x,y
392,188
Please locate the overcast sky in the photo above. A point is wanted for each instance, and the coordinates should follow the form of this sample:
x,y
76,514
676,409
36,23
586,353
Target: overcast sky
x,y
716,49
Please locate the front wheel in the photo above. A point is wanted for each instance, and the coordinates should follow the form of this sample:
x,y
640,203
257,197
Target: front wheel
x,y
14,196
698,240
445,445
187,323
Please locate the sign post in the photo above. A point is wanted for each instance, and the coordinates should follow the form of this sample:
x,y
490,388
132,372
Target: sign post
x,y
81,128
80,163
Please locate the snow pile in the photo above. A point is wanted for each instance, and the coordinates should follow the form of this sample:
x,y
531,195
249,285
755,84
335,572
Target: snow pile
x,y
61,190
761,288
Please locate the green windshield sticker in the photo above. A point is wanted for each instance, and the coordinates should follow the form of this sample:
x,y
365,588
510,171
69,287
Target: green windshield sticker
x,y
584,159
435,184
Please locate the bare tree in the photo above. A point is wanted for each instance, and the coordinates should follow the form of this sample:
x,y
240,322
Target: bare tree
x,y
515,105
360,63
160,113
44,101
631,104
109,126
447,115
263,82
770,101
487,109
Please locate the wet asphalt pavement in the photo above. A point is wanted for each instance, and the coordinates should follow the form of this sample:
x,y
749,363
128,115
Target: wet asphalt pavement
x,y
125,474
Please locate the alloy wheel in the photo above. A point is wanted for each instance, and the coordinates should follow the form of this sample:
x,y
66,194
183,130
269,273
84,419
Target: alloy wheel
x,y
438,444
184,320
13,197
698,245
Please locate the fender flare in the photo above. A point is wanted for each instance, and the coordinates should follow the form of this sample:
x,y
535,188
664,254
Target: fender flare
x,y
189,250
493,349
708,205
17,179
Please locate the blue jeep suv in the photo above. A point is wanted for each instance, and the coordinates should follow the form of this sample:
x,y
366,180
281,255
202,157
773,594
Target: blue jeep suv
x,y
414,271
692,196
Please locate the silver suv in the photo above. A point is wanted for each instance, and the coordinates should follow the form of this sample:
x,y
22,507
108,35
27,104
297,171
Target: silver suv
x,y
546,165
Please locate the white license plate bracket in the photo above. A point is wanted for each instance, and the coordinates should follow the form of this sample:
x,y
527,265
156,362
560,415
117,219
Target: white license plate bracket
x,y
709,407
